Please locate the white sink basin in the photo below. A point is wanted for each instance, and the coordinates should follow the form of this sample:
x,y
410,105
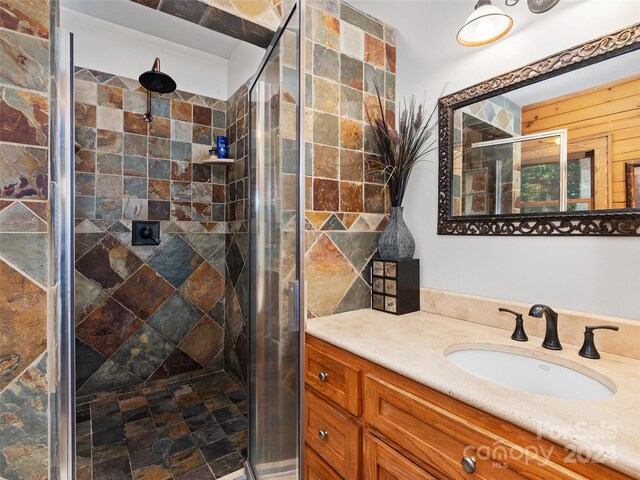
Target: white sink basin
x,y
521,371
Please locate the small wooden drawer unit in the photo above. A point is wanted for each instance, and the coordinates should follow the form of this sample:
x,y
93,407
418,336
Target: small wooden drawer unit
x,y
395,286
363,421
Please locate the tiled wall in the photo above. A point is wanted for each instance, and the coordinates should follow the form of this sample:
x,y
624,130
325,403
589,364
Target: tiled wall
x,y
348,54
237,240
264,12
250,21
236,179
346,206
24,205
129,169
146,312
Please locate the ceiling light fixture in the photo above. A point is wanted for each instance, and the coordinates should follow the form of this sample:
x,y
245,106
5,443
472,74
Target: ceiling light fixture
x,y
485,25
536,6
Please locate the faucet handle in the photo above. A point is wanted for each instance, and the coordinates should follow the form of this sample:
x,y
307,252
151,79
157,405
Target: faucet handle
x,y
519,335
589,349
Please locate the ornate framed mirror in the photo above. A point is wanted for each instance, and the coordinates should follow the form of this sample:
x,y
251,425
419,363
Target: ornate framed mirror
x,y
546,149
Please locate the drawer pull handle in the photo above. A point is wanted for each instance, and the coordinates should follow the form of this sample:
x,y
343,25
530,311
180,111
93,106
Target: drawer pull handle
x,y
323,376
469,464
323,434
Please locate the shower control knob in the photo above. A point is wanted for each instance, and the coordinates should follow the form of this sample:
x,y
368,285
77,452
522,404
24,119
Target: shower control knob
x,y
323,434
147,234
323,376
469,464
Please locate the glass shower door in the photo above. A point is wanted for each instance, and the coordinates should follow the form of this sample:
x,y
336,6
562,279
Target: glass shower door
x,y
275,268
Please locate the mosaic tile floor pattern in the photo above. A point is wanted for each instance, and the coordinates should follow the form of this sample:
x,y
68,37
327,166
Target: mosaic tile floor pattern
x,y
187,429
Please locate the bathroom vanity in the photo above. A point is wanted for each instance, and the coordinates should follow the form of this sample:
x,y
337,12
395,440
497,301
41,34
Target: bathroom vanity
x,y
383,402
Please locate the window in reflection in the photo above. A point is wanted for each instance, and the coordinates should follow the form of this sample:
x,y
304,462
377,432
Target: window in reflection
x,y
541,185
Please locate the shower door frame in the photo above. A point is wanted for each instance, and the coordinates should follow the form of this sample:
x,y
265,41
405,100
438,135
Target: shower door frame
x,y
298,8
61,365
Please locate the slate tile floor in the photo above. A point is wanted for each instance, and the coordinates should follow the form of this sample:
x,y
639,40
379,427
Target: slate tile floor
x,y
180,429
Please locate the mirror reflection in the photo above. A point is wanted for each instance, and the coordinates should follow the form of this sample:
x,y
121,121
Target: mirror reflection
x,y
566,144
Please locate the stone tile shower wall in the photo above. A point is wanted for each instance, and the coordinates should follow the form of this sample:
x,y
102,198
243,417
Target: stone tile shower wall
x,y
128,169
24,240
251,21
237,240
146,312
264,12
345,205
348,55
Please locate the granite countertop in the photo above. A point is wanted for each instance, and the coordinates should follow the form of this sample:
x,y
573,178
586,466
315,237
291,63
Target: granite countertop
x,y
414,345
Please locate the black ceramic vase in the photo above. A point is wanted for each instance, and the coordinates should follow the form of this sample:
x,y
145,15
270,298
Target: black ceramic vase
x,y
396,242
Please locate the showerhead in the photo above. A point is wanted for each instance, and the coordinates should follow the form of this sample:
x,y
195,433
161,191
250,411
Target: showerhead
x,y
157,81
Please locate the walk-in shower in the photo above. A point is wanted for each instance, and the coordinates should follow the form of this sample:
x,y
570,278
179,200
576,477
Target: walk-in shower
x,y
183,356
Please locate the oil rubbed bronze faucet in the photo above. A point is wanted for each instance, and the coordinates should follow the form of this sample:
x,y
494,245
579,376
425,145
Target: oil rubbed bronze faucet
x,y
519,335
551,340
589,349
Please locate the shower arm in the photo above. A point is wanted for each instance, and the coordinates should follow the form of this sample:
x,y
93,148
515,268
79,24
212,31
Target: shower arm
x,y
147,116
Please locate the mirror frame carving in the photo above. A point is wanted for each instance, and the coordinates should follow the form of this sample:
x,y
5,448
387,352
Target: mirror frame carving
x,y
600,222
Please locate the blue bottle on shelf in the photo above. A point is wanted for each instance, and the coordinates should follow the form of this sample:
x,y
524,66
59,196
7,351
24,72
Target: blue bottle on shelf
x,y
221,143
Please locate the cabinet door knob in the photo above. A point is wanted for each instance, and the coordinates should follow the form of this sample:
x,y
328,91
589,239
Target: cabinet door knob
x,y
469,464
323,376
323,434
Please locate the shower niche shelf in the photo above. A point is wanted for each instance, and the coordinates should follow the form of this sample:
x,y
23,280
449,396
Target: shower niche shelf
x,y
216,160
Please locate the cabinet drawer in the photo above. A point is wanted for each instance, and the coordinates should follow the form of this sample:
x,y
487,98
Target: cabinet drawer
x,y
381,462
437,439
317,469
334,379
333,435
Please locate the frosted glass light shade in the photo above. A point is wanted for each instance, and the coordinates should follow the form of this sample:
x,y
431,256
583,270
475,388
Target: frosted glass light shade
x,y
485,25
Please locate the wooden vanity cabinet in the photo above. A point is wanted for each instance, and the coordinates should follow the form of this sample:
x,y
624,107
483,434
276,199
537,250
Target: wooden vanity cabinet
x,y
317,469
381,462
363,421
334,378
334,435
